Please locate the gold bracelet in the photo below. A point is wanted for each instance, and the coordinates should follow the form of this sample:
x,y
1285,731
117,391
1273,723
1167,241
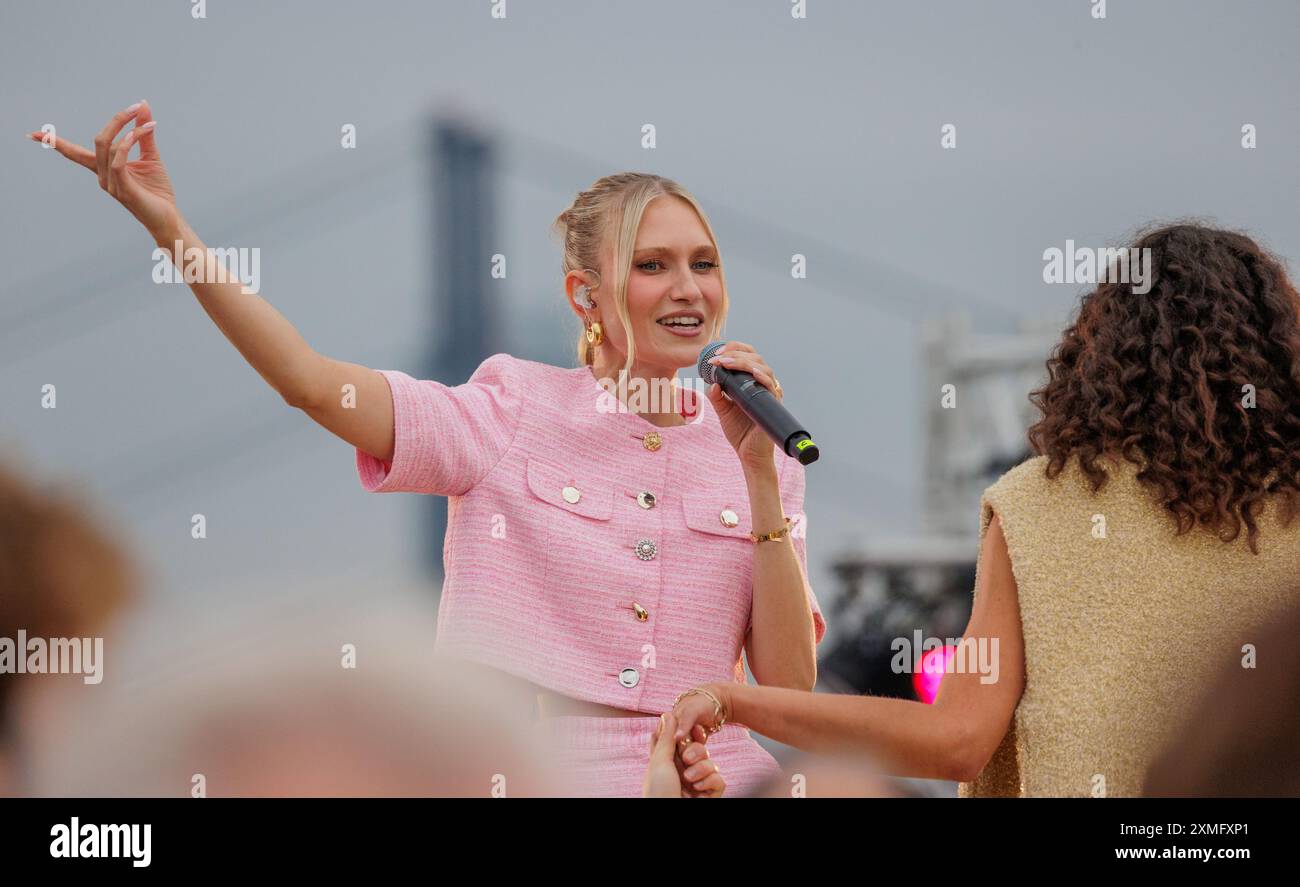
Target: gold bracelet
x,y
719,715
774,536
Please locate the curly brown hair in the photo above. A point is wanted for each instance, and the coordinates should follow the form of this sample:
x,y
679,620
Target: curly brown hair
x,y
1162,380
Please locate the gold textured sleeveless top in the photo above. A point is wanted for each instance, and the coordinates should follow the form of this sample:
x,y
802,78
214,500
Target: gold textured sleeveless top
x,y
1124,624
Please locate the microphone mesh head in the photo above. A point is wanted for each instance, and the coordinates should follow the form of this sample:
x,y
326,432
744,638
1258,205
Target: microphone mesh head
x,y
705,368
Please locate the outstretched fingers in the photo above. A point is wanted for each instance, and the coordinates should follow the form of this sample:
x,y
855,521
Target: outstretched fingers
x,y
71,150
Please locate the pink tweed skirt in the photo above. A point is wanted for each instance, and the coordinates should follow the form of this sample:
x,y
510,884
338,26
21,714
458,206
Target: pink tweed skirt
x,y
597,757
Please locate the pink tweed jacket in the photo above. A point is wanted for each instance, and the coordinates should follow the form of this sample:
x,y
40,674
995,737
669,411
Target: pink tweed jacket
x,y
582,553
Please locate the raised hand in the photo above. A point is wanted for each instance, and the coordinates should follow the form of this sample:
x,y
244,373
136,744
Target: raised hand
x,y
141,185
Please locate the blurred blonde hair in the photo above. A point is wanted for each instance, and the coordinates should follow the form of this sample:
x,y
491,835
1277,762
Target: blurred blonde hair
x,y
614,204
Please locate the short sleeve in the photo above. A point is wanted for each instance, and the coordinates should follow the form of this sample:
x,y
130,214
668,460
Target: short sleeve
x,y
792,490
446,438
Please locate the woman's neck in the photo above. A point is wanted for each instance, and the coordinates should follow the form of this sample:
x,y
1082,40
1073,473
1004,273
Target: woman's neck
x,y
649,392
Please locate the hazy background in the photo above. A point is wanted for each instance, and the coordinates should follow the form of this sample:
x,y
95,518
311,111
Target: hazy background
x,y
817,136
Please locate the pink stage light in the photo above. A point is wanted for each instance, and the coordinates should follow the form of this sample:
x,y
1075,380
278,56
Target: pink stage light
x,y
925,681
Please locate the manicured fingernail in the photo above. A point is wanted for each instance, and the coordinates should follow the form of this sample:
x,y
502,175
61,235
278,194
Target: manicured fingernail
x,y
150,125
130,108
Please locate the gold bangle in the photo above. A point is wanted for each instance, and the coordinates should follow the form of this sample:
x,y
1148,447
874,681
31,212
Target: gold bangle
x,y
719,715
774,536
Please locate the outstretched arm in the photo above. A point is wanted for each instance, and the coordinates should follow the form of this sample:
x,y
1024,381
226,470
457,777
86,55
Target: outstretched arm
x,y
265,338
951,739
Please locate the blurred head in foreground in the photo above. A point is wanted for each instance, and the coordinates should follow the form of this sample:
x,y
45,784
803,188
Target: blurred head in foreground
x,y
348,706
62,576
1243,738
842,775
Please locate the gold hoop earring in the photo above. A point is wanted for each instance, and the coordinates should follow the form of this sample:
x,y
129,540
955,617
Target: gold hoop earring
x,y
595,333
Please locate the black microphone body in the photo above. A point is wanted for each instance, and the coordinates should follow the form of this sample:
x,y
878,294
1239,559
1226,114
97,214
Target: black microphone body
x,y
761,406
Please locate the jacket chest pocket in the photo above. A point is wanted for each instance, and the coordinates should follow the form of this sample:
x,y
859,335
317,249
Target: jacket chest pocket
x,y
574,512
725,584
576,495
717,513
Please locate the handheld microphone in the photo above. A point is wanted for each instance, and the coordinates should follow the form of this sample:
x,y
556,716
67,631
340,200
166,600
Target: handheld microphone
x,y
760,405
